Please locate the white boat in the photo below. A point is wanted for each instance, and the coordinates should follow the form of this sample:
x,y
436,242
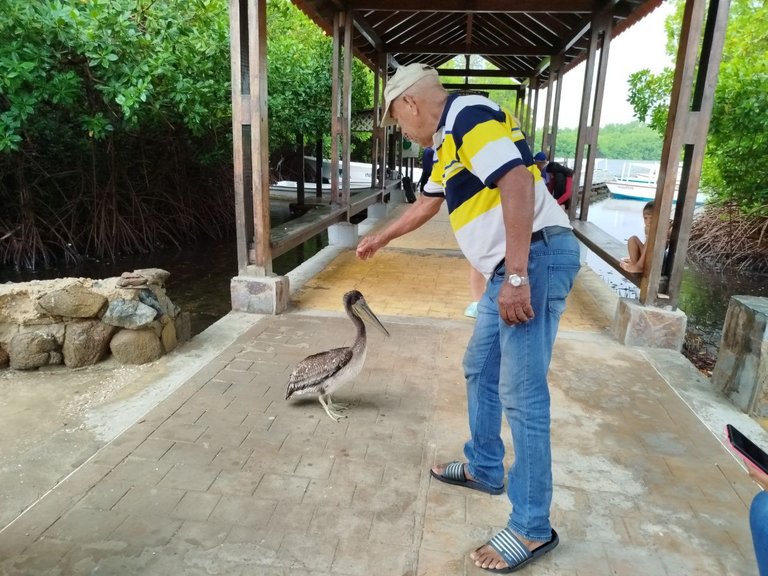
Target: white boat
x,y
311,187
638,182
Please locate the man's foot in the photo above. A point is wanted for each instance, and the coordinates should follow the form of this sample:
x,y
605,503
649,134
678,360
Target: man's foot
x,y
458,474
508,552
486,557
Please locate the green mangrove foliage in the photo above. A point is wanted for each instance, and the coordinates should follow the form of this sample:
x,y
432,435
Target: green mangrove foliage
x,y
737,144
115,120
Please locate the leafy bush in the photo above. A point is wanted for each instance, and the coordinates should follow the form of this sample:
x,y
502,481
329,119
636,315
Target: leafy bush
x,y
737,143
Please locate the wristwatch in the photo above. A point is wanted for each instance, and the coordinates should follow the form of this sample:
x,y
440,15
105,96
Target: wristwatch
x,y
517,280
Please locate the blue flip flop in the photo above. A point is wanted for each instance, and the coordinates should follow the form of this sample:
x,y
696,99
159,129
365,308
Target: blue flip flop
x,y
454,474
515,553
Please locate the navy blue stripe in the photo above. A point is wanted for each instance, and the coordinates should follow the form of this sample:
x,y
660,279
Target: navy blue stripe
x,y
460,188
470,117
494,176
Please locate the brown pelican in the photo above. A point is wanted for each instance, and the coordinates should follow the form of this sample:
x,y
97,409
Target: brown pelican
x,y
324,372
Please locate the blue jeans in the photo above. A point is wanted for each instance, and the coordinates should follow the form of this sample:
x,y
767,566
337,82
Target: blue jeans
x,y
506,370
758,522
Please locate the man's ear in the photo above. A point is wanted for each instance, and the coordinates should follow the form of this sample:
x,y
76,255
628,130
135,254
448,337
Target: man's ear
x,y
413,106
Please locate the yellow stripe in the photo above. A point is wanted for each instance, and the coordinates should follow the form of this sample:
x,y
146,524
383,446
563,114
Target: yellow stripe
x,y
480,203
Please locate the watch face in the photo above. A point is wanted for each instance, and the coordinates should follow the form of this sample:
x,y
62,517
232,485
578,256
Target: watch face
x,y
515,280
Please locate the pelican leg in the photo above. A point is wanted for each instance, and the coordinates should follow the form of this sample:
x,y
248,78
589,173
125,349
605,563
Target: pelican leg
x,y
336,406
329,408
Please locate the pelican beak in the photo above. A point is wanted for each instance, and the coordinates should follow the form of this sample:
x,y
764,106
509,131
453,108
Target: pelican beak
x,y
361,309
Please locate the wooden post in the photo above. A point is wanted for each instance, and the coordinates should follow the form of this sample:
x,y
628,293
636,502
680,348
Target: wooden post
x,y
335,101
690,110
346,110
600,39
248,46
557,72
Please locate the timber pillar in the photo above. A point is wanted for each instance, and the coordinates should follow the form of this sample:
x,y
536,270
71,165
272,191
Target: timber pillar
x,y
260,294
741,371
648,326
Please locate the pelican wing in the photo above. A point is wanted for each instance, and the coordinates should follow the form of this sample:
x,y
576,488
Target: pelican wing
x,y
314,370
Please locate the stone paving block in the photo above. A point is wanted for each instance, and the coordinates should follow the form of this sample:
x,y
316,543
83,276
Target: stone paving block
x,y
197,477
341,522
287,488
450,505
314,552
227,377
179,431
361,473
439,563
189,453
140,472
341,447
146,531
248,511
202,535
393,528
84,524
236,483
294,424
355,557
240,365
141,500
223,428
316,466
231,459
325,492
291,518
47,561
105,494
196,506
152,449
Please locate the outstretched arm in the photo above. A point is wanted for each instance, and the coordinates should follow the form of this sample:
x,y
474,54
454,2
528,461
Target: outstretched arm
x,y
417,214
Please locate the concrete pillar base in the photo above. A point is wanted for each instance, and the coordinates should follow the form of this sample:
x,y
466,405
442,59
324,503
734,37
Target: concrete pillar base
x,y
741,371
397,196
343,234
378,211
259,294
638,325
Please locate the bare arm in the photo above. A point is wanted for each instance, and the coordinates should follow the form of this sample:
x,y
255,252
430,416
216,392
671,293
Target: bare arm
x,y
417,214
517,202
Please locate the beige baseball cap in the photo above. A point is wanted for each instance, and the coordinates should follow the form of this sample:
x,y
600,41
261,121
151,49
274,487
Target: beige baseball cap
x,y
403,78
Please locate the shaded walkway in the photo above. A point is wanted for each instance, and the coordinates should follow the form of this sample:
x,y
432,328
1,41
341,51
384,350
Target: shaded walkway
x,y
225,477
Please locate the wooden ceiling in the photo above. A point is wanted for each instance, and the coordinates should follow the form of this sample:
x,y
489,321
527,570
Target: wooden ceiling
x,y
518,37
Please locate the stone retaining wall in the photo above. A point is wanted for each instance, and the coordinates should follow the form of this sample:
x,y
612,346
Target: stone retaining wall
x,y
79,321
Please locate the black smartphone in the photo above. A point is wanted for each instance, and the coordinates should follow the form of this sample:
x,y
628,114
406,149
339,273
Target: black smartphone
x,y
748,449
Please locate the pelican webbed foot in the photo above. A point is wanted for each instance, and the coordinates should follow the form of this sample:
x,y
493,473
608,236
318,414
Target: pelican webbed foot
x,y
333,410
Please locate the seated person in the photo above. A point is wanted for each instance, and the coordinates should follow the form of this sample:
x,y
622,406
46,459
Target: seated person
x,y
635,262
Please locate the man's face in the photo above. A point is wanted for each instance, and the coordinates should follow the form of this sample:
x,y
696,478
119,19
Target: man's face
x,y
541,164
405,110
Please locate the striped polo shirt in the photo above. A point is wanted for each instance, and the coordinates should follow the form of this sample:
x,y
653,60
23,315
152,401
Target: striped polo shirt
x,y
476,143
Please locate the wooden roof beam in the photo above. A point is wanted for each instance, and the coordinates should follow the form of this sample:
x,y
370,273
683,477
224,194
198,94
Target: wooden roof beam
x,y
526,6
474,49
483,87
463,72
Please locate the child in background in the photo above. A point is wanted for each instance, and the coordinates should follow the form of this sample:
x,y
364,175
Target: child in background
x,y
635,262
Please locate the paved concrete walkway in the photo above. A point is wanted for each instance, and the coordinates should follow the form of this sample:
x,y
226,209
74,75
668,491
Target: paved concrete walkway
x,y
225,477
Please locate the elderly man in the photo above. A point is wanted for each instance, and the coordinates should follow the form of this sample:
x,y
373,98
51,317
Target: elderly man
x,y
512,231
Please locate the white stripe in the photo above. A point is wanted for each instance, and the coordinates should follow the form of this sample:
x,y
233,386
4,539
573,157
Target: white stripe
x,y
492,155
462,102
510,548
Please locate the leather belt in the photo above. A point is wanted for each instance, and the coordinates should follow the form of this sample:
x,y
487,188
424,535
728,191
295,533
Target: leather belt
x,y
548,231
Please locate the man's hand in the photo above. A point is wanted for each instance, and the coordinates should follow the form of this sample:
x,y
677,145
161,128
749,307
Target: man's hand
x,y
515,304
369,245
